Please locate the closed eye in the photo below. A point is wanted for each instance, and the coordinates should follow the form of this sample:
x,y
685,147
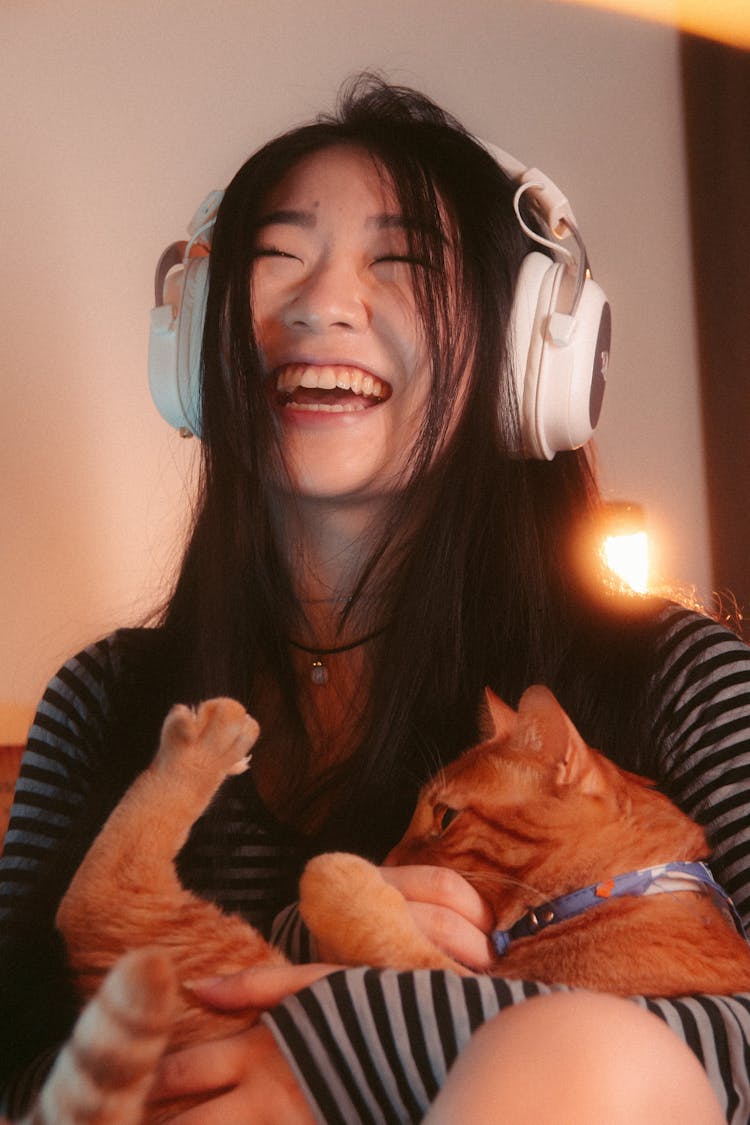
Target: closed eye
x,y
407,259
273,252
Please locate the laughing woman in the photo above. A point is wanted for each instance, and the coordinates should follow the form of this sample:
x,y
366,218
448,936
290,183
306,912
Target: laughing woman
x,y
385,525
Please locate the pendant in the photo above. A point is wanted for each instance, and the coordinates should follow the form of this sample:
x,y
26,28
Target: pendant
x,y
319,672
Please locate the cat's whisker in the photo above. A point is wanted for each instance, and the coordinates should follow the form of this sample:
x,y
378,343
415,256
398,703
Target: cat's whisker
x,y
492,878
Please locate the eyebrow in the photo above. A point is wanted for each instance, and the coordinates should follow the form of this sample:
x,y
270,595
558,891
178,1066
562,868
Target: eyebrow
x,y
386,220
288,217
396,221
391,221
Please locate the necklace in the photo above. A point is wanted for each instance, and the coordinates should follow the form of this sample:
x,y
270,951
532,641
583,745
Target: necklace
x,y
319,669
336,599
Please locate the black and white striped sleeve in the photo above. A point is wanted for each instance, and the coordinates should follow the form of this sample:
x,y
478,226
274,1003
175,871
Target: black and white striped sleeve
x,y
702,738
50,792
375,1047
55,770
290,934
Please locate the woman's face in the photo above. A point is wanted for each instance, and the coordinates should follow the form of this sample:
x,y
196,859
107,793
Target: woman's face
x,y
337,325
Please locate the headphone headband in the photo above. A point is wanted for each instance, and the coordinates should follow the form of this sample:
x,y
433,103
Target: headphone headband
x,y
553,203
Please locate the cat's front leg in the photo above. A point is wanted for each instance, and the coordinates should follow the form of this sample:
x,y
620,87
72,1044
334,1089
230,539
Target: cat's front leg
x,y
208,743
359,919
130,863
198,750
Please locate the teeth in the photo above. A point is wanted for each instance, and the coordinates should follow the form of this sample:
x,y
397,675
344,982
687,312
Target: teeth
x,y
356,382
330,407
329,377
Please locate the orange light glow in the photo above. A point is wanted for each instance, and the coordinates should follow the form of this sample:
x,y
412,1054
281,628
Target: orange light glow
x,y
725,20
624,544
627,556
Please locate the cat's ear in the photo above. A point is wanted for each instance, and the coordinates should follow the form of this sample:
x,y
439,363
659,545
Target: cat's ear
x,y
496,719
545,727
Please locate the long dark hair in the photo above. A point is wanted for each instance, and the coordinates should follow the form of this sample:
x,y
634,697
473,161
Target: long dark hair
x,y
486,590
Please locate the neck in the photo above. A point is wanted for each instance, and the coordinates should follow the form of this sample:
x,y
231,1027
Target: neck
x,y
327,547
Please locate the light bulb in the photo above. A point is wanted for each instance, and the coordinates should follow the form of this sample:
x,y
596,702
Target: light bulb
x,y
624,544
627,556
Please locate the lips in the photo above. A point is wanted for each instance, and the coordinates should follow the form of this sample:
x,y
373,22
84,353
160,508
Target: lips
x,y
332,387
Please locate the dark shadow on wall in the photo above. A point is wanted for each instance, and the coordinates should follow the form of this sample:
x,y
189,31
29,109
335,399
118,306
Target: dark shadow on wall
x,y
716,99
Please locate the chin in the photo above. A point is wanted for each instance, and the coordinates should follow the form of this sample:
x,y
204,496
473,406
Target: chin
x,y
341,474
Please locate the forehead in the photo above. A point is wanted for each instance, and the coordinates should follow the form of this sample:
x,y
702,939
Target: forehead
x,y
343,177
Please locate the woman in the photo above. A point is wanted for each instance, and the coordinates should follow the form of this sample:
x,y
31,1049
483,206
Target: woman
x,y
370,550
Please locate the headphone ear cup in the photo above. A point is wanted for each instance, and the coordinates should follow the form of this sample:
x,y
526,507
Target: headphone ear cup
x,y
570,423
175,346
537,279
560,360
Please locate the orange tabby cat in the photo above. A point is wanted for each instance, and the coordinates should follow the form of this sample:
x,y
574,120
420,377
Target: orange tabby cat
x,y
527,816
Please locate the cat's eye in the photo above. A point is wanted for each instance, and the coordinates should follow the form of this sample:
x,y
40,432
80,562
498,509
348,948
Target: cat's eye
x,y
444,816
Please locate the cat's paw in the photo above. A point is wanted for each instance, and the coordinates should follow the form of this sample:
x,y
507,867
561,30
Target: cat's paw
x,y
217,737
358,918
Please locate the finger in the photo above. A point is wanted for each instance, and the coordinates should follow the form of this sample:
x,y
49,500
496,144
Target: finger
x,y
237,1106
241,1106
267,1092
452,934
258,987
442,887
201,1068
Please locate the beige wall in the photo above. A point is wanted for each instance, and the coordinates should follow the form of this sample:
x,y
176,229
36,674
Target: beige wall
x,y
118,116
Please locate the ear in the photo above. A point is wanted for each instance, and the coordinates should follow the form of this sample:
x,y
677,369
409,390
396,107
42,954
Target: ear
x,y
496,719
544,727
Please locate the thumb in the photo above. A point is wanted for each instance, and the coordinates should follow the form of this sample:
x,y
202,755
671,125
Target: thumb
x,y
262,986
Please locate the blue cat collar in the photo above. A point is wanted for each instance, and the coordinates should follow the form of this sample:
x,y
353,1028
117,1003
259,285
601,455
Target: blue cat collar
x,y
667,878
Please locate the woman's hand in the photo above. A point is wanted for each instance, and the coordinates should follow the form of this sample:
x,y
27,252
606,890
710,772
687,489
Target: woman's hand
x,y
244,1077
448,910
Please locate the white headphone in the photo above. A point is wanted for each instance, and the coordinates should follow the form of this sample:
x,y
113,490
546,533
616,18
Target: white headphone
x,y
176,338
560,325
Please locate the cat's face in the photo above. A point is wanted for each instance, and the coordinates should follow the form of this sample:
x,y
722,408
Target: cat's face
x,y
531,813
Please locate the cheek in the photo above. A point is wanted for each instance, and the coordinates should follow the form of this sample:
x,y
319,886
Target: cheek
x,y
395,318
409,345
266,325
258,313
266,308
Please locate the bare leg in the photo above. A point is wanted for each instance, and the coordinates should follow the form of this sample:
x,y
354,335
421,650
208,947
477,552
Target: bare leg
x,y
576,1058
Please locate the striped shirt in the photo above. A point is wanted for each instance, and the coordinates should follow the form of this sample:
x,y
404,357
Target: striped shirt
x,y
370,1045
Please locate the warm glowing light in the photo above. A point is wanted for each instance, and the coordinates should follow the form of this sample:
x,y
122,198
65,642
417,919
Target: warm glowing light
x,y
627,556
623,544
725,20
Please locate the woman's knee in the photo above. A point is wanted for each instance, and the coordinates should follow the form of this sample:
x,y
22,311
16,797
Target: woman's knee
x,y
576,1058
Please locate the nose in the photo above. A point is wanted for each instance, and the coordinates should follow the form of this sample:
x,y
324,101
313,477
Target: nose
x,y
330,297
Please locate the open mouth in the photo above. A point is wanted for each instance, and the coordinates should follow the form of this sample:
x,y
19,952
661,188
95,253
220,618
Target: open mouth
x,y
336,388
